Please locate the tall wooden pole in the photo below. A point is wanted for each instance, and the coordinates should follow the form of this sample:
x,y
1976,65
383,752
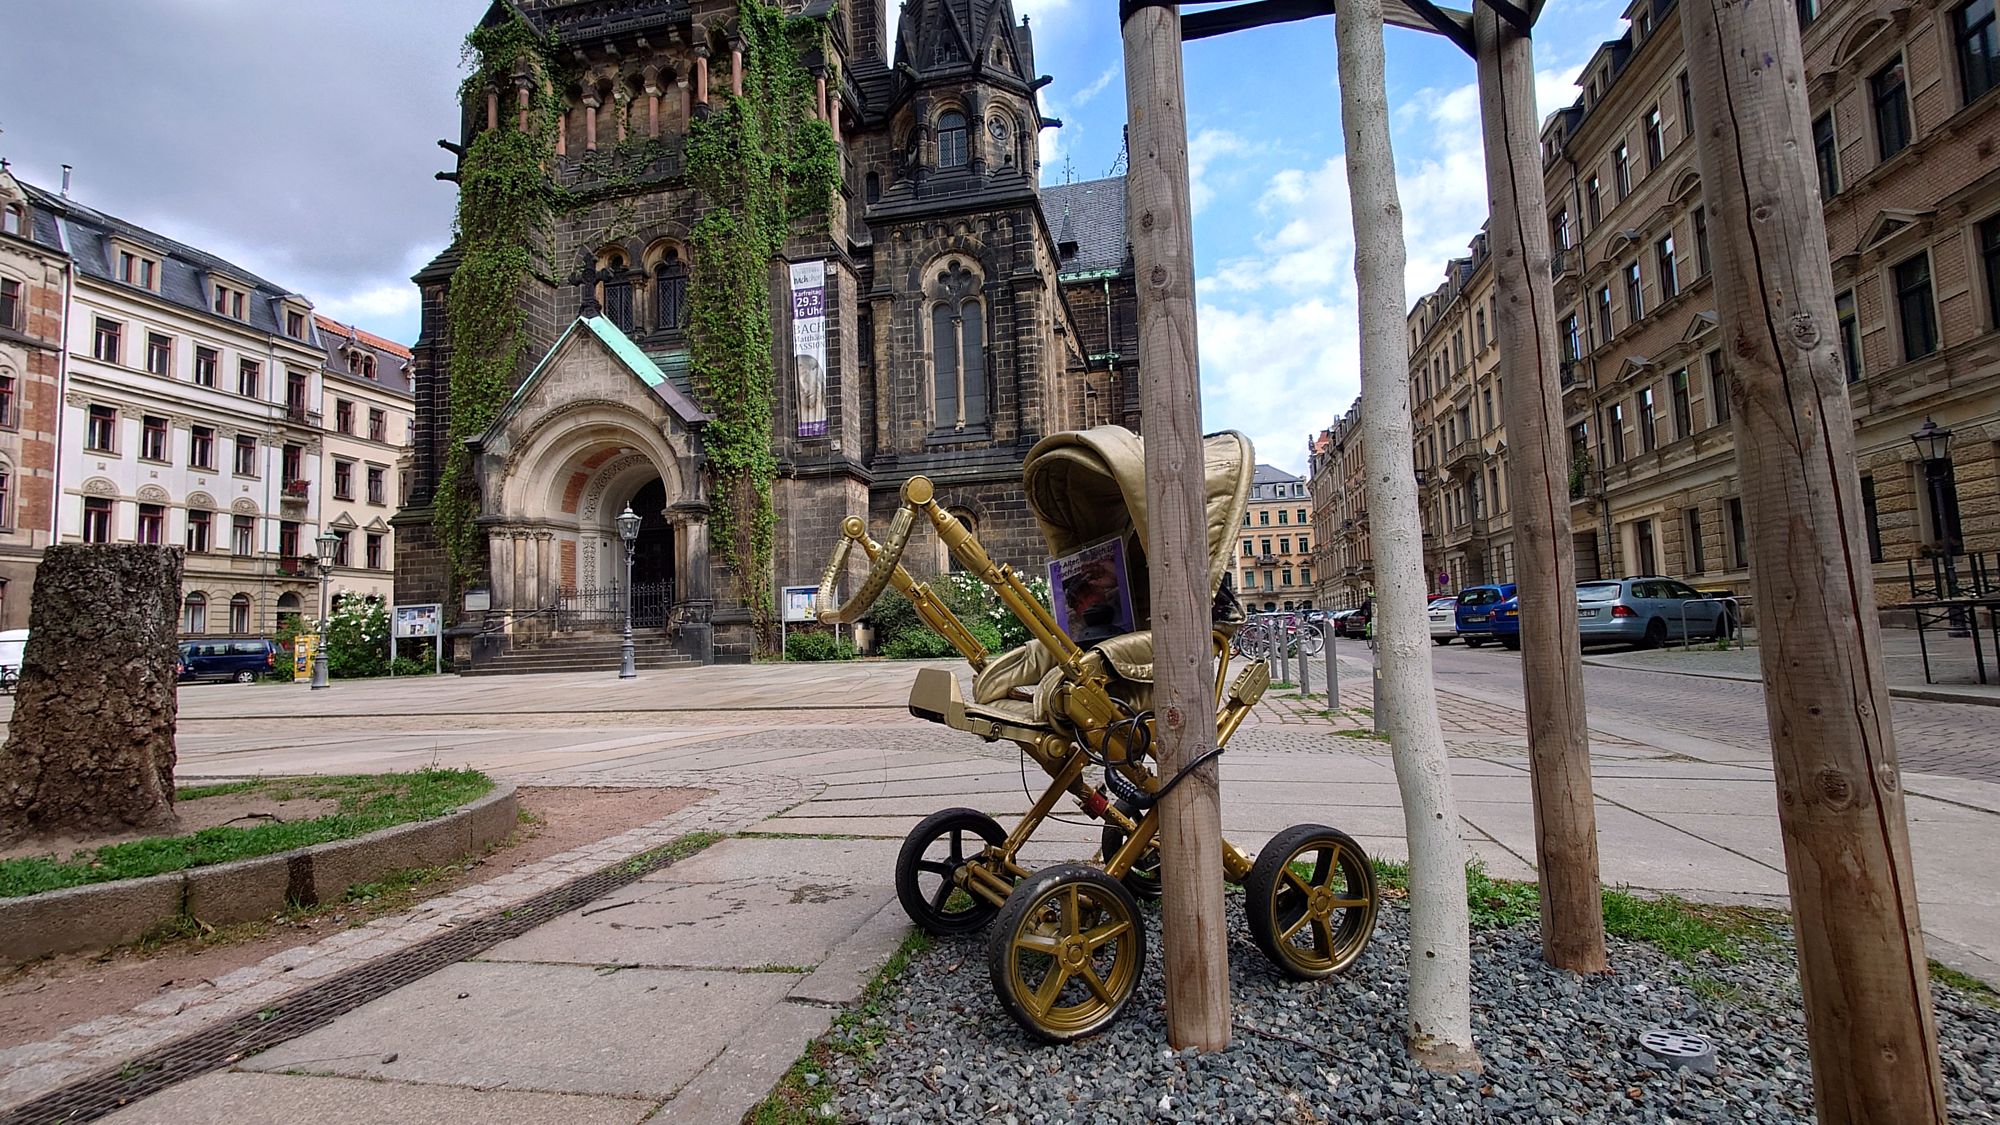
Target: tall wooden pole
x,y
1162,230
1538,482
1840,800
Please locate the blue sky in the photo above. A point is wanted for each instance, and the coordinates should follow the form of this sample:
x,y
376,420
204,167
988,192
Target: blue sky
x,y
316,169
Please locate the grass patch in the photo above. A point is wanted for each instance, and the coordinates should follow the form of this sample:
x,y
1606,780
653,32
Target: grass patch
x,y
1966,983
679,848
197,792
364,803
1683,930
798,1096
1351,732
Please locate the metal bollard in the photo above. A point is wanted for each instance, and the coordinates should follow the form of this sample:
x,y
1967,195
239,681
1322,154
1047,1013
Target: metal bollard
x,y
1332,670
1305,671
1378,704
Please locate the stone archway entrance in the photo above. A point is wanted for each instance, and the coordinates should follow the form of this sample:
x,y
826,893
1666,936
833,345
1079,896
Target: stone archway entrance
x,y
654,589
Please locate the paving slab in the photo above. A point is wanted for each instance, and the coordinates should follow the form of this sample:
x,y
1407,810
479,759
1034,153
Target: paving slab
x,y
766,920
858,862
745,1072
1636,850
280,1099
555,1028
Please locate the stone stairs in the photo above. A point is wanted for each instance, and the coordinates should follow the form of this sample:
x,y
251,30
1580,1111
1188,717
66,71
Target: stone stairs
x,y
584,652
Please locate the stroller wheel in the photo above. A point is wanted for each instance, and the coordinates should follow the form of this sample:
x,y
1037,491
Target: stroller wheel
x,y
1143,878
928,864
1311,901
1067,952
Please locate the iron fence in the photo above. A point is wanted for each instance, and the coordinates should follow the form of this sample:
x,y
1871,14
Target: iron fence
x,y
591,607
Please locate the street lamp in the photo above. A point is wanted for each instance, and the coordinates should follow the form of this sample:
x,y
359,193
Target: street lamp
x,y
1933,444
327,543
628,530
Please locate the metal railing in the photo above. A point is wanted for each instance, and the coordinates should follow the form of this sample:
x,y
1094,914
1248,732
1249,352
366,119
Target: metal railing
x,y
593,607
1735,627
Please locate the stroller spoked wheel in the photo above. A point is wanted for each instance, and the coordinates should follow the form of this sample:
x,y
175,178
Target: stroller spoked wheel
x,y
927,869
1067,952
1143,878
1311,901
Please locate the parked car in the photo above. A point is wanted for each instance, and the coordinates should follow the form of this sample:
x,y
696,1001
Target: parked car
x,y
1354,622
1489,613
242,660
1648,611
13,642
1444,619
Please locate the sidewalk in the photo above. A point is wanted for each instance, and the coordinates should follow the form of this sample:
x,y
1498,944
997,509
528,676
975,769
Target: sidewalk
x,y
1954,672
689,991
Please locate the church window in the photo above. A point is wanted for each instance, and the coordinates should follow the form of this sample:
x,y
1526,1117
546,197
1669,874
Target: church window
x,y
957,341
670,287
952,151
618,293
874,187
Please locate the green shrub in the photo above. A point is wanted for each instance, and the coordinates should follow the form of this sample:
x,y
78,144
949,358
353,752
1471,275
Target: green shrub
x,y
817,646
357,638
415,665
900,633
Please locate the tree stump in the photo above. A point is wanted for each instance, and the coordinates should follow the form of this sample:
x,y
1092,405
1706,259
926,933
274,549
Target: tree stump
x,y
91,749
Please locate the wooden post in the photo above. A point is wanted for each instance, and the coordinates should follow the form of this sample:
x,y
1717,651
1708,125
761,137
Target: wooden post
x,y
1195,954
1840,801
1538,477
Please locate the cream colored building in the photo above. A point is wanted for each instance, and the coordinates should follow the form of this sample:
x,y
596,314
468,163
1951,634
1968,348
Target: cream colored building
x,y
1275,547
366,411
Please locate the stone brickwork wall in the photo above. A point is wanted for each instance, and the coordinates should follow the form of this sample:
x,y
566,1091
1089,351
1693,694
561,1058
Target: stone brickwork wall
x,y
91,745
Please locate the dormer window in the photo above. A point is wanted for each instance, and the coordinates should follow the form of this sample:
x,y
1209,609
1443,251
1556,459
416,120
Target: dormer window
x,y
295,324
952,140
138,269
14,220
230,302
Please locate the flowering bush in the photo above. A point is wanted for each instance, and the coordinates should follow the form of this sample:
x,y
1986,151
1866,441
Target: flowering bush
x,y
357,637
900,633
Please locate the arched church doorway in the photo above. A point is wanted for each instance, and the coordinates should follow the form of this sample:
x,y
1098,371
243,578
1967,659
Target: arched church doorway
x,y
652,558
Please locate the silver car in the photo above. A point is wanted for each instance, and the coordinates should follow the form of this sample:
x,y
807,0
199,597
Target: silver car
x,y
1444,620
1648,611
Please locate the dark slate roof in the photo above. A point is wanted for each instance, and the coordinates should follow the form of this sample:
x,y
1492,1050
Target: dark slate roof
x,y
184,270
1091,215
1271,474
392,360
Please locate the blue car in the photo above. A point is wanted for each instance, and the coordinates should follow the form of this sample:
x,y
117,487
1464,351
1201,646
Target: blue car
x,y
1489,613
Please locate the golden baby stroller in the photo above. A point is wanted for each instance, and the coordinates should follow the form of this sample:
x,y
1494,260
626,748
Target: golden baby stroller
x,y
1068,944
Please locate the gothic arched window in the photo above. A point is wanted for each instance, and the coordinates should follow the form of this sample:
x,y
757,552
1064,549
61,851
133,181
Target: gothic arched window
x,y
617,293
951,140
873,187
958,356
670,288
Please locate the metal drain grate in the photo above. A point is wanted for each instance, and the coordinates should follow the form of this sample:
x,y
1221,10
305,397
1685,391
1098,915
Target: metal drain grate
x,y
212,1048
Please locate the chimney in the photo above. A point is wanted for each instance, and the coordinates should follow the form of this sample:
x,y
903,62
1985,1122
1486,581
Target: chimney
x,y
65,189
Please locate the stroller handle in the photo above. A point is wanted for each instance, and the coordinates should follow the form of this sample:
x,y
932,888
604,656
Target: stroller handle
x,y
882,566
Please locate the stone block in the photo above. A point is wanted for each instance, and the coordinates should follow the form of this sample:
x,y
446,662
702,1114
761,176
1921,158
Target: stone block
x,y
88,917
241,891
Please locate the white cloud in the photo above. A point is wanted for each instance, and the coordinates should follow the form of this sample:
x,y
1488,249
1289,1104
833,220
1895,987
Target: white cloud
x,y
377,305
1206,149
1098,84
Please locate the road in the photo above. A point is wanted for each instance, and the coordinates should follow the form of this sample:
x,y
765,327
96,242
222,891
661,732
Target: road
x,y
1951,739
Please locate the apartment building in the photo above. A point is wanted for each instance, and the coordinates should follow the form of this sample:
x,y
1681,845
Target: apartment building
x,y
366,411
34,276
1341,557
190,417
1906,119
1275,552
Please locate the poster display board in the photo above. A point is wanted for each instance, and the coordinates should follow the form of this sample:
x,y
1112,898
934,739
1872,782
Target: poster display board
x,y
809,345
801,603
303,647
417,622
1092,592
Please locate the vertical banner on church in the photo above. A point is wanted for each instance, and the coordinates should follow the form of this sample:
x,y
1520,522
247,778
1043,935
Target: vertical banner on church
x,y
809,345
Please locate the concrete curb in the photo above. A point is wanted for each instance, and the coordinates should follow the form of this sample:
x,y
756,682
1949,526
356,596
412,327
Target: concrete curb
x,y
104,914
1928,694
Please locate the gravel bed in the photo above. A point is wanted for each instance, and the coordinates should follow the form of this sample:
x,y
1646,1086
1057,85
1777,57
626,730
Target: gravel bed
x,y
1556,1047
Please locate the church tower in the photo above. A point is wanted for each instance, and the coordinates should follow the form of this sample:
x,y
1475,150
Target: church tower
x,y
945,315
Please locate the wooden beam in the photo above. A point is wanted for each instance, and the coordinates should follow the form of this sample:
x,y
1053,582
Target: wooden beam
x,y
1516,18
1538,487
1862,968
1417,15
1193,935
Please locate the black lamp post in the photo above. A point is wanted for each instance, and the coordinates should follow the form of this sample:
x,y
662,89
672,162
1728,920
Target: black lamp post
x,y
327,543
628,530
1933,444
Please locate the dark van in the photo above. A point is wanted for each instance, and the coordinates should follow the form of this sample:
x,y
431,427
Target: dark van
x,y
239,660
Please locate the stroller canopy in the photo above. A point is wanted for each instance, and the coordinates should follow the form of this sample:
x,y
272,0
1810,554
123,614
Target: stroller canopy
x,y
1088,485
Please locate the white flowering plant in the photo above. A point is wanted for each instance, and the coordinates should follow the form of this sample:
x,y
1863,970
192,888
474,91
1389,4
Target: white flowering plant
x,y
357,637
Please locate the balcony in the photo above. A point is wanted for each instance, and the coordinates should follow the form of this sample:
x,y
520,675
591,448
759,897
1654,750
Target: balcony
x,y
1472,530
635,162
1462,453
298,566
295,494
1267,560
297,414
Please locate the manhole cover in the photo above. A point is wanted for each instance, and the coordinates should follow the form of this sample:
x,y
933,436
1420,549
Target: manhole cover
x,y
1679,1049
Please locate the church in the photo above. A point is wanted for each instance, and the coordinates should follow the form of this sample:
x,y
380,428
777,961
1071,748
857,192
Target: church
x,y
949,314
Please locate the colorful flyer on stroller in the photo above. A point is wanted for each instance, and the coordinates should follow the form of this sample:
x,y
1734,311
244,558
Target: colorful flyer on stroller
x,y
1092,592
